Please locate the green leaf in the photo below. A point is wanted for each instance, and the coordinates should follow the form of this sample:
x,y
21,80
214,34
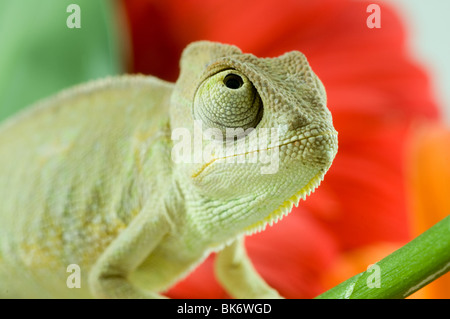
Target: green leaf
x,y
40,55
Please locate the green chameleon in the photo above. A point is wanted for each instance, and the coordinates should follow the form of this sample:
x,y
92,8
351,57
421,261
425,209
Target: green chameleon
x,y
89,177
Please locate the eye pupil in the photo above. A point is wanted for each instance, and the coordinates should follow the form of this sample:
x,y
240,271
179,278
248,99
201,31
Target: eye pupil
x,y
233,81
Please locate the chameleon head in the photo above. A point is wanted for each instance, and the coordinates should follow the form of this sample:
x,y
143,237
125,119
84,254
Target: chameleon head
x,y
264,135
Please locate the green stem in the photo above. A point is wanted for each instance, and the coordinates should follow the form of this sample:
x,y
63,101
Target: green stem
x,y
403,272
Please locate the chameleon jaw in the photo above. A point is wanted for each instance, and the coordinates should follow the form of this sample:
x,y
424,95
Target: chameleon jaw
x,y
275,216
296,141
286,207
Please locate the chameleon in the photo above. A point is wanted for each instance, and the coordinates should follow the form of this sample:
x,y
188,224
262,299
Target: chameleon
x,y
89,177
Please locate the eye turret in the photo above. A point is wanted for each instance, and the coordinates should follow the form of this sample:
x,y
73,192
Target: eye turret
x,y
228,100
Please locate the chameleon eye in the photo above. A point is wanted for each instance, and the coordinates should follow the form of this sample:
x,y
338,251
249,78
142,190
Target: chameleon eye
x,y
233,81
227,100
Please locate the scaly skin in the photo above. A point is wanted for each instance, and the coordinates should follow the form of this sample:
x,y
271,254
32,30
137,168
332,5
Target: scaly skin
x,y
88,177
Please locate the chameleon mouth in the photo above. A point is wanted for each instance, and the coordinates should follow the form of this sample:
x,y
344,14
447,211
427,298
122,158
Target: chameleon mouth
x,y
286,207
295,142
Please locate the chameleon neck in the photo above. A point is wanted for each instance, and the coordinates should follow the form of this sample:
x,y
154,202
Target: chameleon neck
x,y
216,223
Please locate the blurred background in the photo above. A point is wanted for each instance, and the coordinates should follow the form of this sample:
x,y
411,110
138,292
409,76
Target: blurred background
x,y
428,25
388,90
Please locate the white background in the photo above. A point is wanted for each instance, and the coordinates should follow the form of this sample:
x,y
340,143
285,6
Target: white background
x,y
428,26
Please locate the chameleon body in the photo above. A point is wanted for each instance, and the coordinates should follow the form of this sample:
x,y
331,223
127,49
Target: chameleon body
x,y
88,177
